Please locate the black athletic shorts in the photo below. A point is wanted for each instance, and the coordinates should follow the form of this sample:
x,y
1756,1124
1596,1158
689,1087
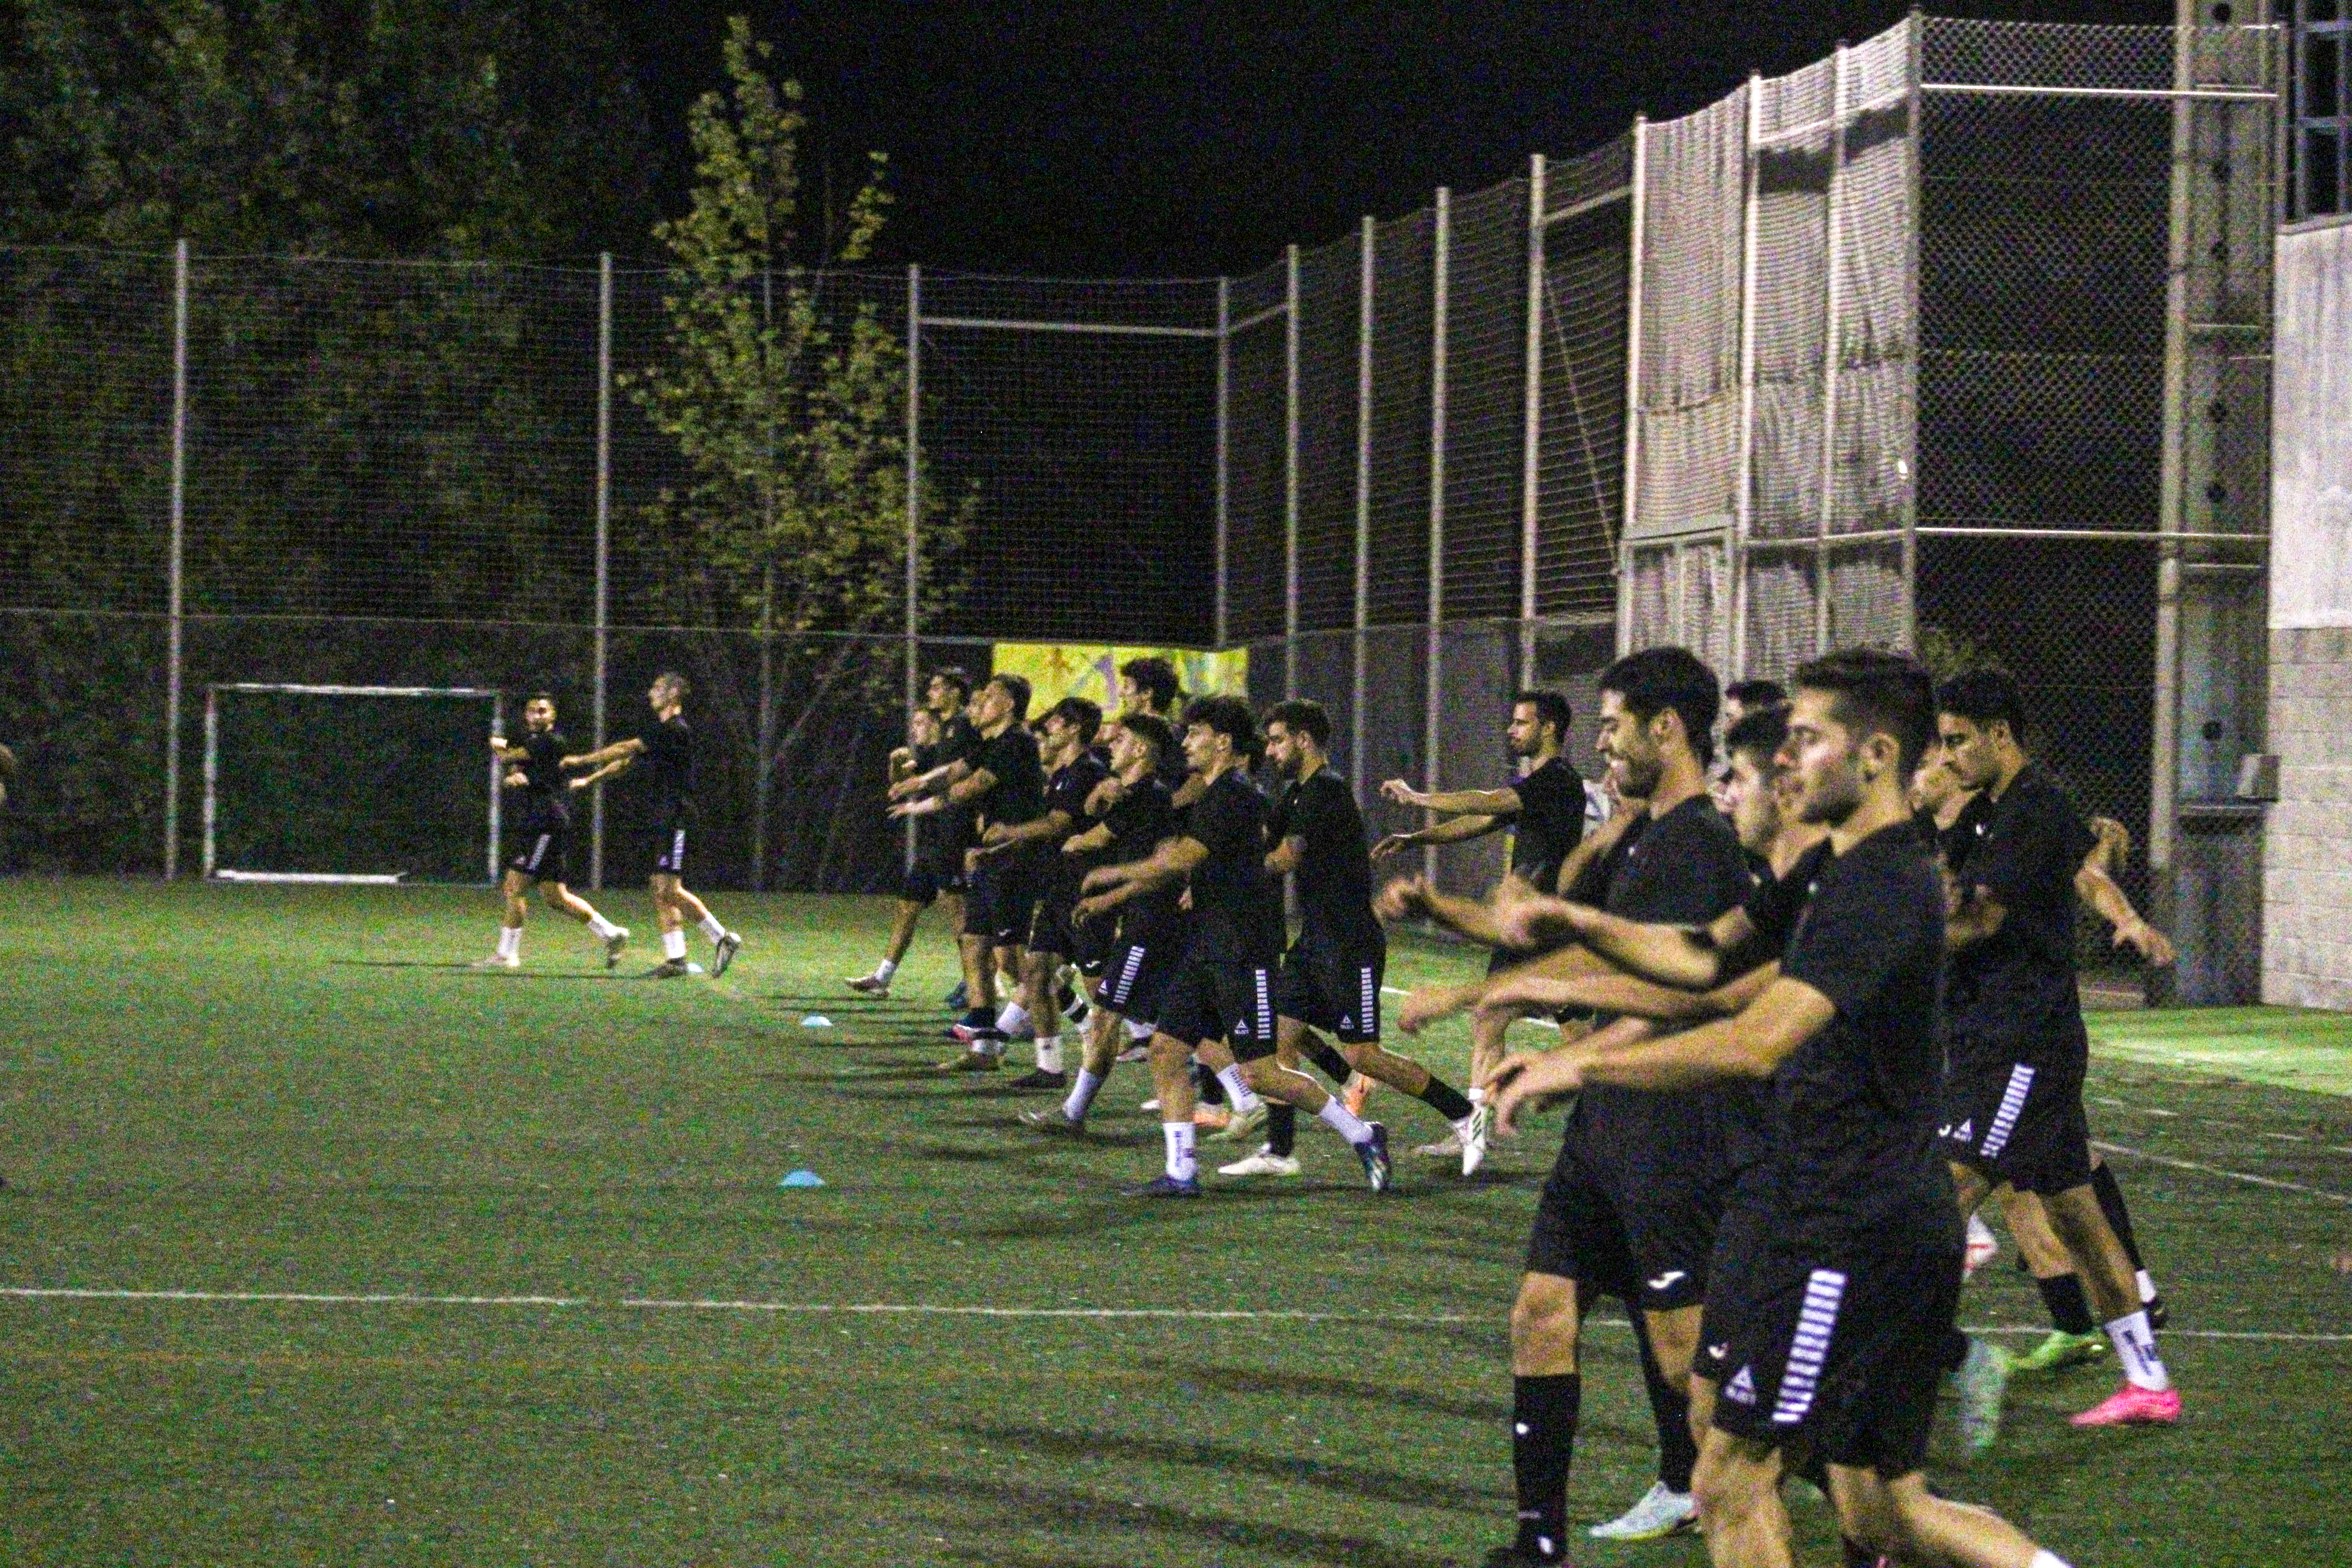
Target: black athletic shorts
x,y
2019,1123
1221,1001
542,854
1134,979
936,870
1653,1241
1843,1353
669,854
1334,988
1000,901
1741,1237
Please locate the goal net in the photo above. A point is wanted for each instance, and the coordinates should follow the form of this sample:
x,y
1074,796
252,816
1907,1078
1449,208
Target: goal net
x,y
351,784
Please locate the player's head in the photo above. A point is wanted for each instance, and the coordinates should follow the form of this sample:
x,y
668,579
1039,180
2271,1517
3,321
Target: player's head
x,y
1148,686
1142,739
669,690
1750,792
948,690
1744,697
1003,700
539,710
1539,722
1655,705
1219,732
1858,723
1980,721
1073,718
1297,732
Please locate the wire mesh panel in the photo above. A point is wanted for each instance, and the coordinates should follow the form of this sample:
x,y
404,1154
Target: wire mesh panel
x,y
1330,294
1402,253
1580,480
1485,401
1256,457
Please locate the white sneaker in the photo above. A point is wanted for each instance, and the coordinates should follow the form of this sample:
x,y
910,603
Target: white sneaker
x,y
1149,1105
1982,1248
1660,1512
1446,1148
723,950
1471,1133
496,961
1265,1162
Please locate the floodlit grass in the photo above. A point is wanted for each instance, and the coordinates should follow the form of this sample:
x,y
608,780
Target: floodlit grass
x,y
265,1090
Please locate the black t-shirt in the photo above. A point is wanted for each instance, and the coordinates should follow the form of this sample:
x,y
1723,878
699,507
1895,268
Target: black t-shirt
x,y
1335,867
1139,821
543,800
1236,901
1853,1156
1067,788
953,822
2013,997
669,754
1017,794
1550,824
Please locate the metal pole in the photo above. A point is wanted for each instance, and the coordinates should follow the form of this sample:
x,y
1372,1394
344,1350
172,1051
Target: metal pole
x,y
174,629
498,727
604,548
1531,422
1910,456
2164,785
1635,251
1290,475
1434,650
1366,241
1832,352
212,773
1744,504
914,512
1225,439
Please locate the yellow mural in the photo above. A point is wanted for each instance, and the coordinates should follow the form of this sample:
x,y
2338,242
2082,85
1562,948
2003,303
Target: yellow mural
x,y
1055,670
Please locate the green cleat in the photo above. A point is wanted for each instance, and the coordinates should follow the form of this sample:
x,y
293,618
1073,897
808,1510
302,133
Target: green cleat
x,y
1982,1380
2059,1351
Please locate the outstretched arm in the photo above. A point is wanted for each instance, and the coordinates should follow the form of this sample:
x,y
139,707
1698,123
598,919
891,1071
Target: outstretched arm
x,y
1454,802
2095,888
1107,887
1453,830
620,751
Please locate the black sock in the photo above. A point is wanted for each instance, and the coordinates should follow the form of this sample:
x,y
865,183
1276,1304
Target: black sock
x,y
1281,1127
1815,1469
1444,1099
2069,1309
1670,1407
2111,1203
1956,1350
979,1018
1329,1062
1857,1556
1207,1086
1543,1436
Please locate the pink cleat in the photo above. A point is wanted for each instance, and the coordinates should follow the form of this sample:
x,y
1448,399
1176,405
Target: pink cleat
x,y
2132,1406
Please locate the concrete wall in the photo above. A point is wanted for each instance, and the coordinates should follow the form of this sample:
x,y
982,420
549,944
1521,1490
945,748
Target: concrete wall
x,y
2307,861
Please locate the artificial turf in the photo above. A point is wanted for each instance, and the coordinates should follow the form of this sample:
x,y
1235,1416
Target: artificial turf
x,y
300,1091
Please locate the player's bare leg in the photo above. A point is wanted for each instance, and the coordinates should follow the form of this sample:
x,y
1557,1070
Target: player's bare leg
x,y
2074,1336
1737,1484
572,906
1903,1519
514,887
1038,987
679,908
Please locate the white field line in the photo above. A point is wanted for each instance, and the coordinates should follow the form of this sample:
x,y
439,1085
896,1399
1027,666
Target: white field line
x,y
914,1309
2218,1170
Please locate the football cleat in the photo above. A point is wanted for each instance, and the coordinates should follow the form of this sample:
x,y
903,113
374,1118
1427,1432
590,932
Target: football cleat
x,y
1053,1122
1471,1133
1446,1148
723,952
1374,1153
496,961
612,946
1241,1126
2059,1351
2132,1406
1265,1162
1136,1053
2158,1314
1982,1248
1039,1077
668,969
957,997
972,1034
974,1060
1982,1380
868,985
1209,1116
1163,1187
1660,1512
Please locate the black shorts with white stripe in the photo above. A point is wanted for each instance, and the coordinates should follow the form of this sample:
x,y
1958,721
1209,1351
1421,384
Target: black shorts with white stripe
x,y
2017,1122
543,853
669,851
1213,1000
1843,1353
1334,986
1134,979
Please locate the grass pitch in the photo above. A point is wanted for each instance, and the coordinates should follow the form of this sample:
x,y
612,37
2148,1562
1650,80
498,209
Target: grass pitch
x,y
600,1332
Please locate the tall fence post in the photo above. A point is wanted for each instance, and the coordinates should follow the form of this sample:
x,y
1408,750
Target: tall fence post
x,y
1366,242
1743,513
1531,423
914,546
604,547
1224,437
1290,474
1915,45
1433,650
176,599
1833,351
1637,215
2163,751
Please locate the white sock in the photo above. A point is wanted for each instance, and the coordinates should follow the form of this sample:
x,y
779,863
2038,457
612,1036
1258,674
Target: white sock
x,y
2134,1344
674,945
605,930
1139,1031
2047,1560
1082,1095
887,968
711,928
1476,1095
2146,1285
1181,1165
1049,1053
1345,1122
1014,1019
510,941
1237,1089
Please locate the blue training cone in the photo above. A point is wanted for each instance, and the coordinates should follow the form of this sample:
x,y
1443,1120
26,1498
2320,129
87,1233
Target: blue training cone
x,y
803,1179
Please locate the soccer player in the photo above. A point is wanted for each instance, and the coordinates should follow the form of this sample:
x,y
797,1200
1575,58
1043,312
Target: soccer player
x,y
1330,977
1834,1317
937,734
2018,1053
667,749
1148,684
544,820
1740,699
1222,990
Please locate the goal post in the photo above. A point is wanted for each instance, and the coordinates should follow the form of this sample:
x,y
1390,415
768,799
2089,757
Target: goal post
x,y
333,783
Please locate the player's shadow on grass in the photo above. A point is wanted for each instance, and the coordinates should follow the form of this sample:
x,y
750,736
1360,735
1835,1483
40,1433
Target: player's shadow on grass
x,y
1311,1385
1353,1480
1064,1509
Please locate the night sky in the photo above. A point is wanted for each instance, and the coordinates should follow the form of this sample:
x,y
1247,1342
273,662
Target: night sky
x,y
1109,140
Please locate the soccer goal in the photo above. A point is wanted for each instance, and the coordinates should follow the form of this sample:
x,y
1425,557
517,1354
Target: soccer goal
x,y
351,784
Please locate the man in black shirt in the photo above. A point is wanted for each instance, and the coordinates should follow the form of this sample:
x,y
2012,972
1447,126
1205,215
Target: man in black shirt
x,y
937,734
667,748
543,818
1846,1299
2018,1053
1222,990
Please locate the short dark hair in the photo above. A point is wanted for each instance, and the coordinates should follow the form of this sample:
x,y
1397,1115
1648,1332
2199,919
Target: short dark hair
x,y
1754,694
1156,679
1079,714
1017,687
7,763
1551,708
546,697
955,676
1875,691
1302,716
1152,728
1660,680
1229,717
1981,696
674,680
1761,731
